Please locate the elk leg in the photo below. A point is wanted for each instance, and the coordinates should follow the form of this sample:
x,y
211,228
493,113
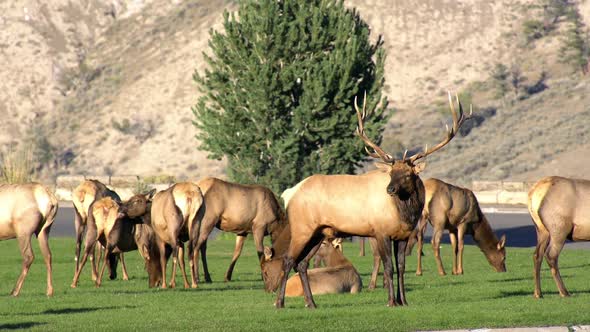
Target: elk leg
x,y
555,246
174,265
376,263
89,244
295,248
199,240
107,252
162,249
240,239
420,235
181,262
24,242
384,244
400,260
461,246
204,262
362,247
44,246
453,238
79,234
314,245
542,242
123,266
436,247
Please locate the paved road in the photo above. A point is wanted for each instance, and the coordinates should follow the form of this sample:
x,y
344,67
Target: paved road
x,y
515,223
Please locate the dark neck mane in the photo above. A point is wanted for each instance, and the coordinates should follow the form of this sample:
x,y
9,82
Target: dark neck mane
x,y
410,209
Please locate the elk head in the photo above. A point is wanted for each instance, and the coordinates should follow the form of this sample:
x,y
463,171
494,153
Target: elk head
x,y
403,173
138,205
497,257
271,270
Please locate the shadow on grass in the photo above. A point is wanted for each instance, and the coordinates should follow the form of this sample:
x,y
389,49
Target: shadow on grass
x,y
18,326
64,311
529,293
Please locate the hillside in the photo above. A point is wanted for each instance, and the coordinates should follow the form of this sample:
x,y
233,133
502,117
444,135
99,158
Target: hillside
x,y
107,88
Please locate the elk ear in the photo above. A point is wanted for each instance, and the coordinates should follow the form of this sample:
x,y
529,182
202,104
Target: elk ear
x,y
419,167
502,242
383,166
150,194
268,253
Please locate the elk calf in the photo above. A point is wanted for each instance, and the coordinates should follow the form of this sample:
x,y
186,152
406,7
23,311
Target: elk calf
x,y
456,209
27,209
83,196
560,209
339,275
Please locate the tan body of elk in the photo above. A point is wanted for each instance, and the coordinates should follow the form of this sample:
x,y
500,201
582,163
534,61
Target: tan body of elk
x,y
112,224
239,209
560,208
28,209
339,275
456,209
173,212
82,197
385,204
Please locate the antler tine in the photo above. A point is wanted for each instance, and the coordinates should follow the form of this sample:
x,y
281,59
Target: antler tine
x,y
360,130
458,121
405,153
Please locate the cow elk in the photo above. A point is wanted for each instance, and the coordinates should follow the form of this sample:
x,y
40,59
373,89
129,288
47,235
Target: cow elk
x,y
385,204
83,196
173,212
113,224
456,209
235,208
560,210
339,275
27,209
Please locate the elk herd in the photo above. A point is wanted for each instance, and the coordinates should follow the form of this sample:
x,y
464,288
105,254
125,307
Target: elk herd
x,y
390,205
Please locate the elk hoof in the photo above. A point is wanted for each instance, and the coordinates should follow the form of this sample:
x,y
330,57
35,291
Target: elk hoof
x,y
538,296
194,286
565,294
442,274
391,304
311,306
50,293
73,285
419,273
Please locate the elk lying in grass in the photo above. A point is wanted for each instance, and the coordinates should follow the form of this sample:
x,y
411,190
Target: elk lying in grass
x,y
385,204
339,275
83,196
235,208
27,209
173,212
560,209
113,224
456,209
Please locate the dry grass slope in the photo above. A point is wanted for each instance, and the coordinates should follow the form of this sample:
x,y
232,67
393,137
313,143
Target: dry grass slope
x,y
112,84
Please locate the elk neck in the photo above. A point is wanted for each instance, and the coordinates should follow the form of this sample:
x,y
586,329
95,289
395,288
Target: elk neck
x,y
483,234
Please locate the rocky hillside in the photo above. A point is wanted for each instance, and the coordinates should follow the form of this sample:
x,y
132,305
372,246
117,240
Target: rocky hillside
x,y
101,87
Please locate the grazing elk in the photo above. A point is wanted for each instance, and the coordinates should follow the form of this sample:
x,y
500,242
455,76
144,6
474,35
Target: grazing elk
x,y
113,225
82,197
385,204
456,209
339,275
173,212
235,208
560,209
27,209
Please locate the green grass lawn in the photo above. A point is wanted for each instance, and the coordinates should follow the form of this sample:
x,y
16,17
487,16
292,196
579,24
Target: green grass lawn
x,y
480,298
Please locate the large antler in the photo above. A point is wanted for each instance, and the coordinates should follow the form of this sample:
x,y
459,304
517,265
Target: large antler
x,y
360,130
457,122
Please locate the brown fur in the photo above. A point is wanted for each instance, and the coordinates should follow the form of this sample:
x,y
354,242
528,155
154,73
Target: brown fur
x,y
114,225
173,213
82,197
27,209
338,276
385,204
239,209
456,209
560,210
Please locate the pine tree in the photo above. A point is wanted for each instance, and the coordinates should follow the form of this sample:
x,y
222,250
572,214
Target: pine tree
x,y
575,49
279,89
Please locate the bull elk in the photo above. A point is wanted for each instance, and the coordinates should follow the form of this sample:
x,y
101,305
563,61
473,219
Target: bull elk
x,y
110,223
173,211
559,208
83,196
385,204
235,208
456,209
339,275
27,209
